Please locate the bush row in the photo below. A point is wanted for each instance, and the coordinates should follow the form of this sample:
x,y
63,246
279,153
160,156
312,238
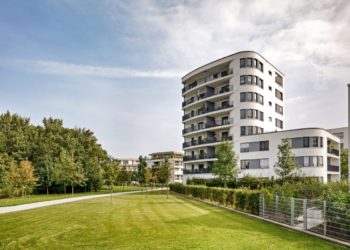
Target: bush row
x,y
242,199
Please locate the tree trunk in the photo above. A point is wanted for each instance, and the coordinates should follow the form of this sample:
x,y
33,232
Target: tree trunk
x,y
167,192
65,188
72,189
47,190
91,187
111,194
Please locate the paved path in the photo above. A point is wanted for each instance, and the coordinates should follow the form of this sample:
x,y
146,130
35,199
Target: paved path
x,y
4,210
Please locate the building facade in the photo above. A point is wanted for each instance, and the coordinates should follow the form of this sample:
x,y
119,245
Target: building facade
x,y
130,164
175,160
239,98
342,134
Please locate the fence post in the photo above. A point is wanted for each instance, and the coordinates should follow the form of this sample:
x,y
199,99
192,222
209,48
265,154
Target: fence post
x,y
262,205
305,213
292,211
324,218
276,205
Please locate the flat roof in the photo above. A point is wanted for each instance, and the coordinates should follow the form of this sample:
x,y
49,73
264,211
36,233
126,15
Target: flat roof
x,y
288,130
244,51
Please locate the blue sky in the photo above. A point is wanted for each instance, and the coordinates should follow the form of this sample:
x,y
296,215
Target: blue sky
x,y
115,67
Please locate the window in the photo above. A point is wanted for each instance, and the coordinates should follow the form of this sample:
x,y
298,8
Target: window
x,y
278,109
255,164
251,130
251,80
251,62
251,97
309,161
264,145
270,88
279,123
306,142
270,103
251,114
244,147
270,73
279,94
279,79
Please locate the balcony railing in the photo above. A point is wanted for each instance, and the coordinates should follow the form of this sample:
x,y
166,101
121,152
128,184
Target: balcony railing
x,y
206,110
206,141
199,157
207,125
193,99
206,79
332,168
197,171
333,151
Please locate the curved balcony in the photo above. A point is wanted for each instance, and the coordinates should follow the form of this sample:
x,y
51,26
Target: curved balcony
x,y
205,95
207,140
206,126
206,110
213,77
199,157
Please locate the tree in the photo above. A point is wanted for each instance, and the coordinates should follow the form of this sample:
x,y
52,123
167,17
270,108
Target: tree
x,y
141,168
225,168
149,178
46,173
286,163
163,174
21,177
70,173
124,176
344,163
110,174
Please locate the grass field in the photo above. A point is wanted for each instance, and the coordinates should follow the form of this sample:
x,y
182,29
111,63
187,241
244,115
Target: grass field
x,y
43,197
138,221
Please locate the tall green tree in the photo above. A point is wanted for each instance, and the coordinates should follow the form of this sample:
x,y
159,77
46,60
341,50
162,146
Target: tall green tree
x,y
110,173
163,174
124,176
69,172
46,173
141,168
286,164
344,153
225,168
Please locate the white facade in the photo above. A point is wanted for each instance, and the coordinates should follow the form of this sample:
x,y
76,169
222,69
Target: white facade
x,y
342,134
175,159
130,164
240,98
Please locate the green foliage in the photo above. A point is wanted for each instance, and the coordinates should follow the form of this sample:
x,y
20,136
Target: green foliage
x,y
286,164
43,146
225,168
141,169
110,174
241,199
124,176
163,173
344,154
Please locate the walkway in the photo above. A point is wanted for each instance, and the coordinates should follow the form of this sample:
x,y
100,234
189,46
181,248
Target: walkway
x,y
10,209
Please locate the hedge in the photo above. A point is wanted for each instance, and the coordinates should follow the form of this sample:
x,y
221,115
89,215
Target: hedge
x,y
241,199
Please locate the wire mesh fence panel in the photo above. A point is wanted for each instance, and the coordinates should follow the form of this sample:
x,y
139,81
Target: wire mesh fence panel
x,y
321,217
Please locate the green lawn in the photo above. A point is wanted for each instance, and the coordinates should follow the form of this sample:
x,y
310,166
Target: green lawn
x,y
36,198
137,221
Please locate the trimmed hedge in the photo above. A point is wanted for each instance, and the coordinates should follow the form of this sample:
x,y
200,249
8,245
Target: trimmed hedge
x,y
241,199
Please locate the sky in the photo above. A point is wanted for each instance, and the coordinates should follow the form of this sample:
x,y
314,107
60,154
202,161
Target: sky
x,y
115,67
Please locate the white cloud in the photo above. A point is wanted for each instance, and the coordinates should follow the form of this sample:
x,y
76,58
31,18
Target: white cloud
x,y
60,68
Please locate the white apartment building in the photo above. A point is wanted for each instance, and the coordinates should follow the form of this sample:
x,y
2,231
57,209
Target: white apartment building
x,y
130,164
241,98
175,159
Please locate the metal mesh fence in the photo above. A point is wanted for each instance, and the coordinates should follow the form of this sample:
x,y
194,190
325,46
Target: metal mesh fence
x,y
321,217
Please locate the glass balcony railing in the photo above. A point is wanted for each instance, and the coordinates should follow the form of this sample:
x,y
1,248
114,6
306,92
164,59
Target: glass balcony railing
x,y
206,141
206,110
197,171
206,95
208,78
207,125
199,157
332,168
333,151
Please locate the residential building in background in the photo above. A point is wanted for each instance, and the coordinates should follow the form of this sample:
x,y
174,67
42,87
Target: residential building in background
x,y
175,160
240,98
342,134
130,164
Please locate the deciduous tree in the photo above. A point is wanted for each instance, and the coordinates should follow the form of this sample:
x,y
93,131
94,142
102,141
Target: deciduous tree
x,y
286,164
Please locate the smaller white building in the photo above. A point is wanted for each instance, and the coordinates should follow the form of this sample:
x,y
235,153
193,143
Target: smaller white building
x,y
316,152
175,159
